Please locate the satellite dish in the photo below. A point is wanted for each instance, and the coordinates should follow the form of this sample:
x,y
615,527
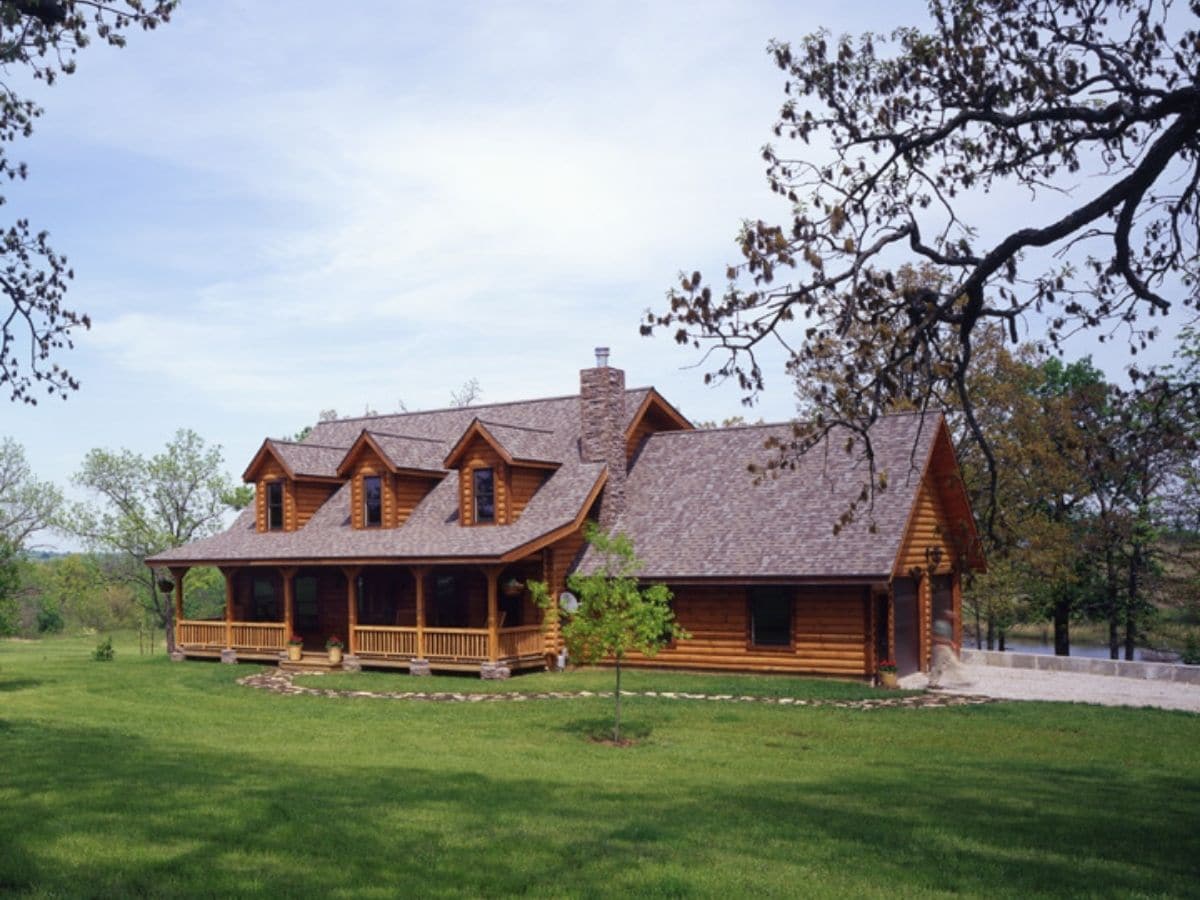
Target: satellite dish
x,y
568,602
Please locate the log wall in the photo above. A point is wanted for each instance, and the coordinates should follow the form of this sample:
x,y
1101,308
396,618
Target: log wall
x,y
829,632
481,455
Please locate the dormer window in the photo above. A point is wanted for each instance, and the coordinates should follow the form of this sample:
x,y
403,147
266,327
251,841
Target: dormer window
x,y
483,484
275,505
372,501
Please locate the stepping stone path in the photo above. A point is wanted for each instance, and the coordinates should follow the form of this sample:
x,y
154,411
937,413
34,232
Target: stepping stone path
x,y
282,683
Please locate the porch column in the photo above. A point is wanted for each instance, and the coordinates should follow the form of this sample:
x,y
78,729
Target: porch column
x,y
229,574
890,625
178,575
288,573
924,613
492,574
419,573
956,604
352,573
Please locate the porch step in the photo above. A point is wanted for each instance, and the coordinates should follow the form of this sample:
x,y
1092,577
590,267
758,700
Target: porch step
x,y
310,662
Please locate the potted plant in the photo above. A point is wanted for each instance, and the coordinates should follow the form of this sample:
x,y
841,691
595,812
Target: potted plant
x,y
511,587
295,647
887,674
334,646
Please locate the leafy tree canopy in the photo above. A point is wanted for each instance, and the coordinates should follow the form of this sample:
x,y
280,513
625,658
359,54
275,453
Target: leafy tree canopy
x,y
1090,107
40,38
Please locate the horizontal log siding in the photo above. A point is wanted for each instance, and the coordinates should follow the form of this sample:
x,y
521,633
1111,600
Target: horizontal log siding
x,y
408,491
828,633
525,482
272,471
927,528
480,455
310,498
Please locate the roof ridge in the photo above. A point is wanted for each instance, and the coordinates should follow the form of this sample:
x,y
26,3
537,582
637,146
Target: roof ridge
x,y
304,444
406,437
441,409
787,423
518,427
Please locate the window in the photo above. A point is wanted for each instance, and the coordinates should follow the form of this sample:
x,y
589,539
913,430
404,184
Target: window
x,y
265,602
771,617
484,491
372,501
275,505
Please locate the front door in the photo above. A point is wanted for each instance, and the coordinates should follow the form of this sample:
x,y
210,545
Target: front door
x,y
908,650
307,622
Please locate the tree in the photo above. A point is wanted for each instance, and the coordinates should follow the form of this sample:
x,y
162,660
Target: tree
x,y
901,137
467,395
616,615
40,38
26,504
151,505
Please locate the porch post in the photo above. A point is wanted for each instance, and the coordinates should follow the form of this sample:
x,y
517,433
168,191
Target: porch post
x,y
418,574
956,589
351,573
229,574
178,575
924,612
287,573
493,613
890,625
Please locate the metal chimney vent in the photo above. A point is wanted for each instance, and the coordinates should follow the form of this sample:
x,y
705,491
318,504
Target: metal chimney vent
x,y
601,357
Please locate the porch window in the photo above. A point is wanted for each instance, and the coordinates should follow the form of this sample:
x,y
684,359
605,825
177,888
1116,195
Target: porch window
x,y
484,491
275,505
770,617
265,602
372,501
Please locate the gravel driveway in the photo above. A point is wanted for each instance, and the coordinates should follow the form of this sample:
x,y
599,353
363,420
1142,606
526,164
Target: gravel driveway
x,y
1071,687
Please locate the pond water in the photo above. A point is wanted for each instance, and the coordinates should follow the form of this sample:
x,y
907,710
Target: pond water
x,y
1091,651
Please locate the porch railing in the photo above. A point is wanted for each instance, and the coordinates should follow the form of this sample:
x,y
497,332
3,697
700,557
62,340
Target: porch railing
x,y
456,644
259,635
524,641
375,640
202,633
447,644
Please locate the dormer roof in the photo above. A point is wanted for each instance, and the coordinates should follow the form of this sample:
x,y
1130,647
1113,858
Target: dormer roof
x,y
304,462
515,444
400,453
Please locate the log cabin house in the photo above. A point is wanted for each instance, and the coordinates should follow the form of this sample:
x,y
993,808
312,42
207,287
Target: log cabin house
x,y
412,536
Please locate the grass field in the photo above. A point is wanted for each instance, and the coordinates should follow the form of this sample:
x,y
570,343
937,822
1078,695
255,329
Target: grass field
x,y
144,778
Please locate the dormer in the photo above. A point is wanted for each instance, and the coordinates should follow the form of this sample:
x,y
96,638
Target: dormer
x,y
500,468
653,415
389,475
291,482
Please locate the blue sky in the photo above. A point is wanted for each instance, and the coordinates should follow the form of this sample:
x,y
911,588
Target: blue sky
x,y
272,210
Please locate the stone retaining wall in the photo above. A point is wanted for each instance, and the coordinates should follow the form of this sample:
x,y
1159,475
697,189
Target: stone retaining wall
x,y
1083,665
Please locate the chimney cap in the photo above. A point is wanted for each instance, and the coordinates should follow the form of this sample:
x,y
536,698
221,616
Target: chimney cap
x,y
602,357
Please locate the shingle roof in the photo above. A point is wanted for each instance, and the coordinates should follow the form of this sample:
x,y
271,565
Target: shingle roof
x,y
308,459
693,510
418,439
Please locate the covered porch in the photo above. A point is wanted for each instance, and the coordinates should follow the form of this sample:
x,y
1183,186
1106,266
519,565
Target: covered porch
x,y
419,618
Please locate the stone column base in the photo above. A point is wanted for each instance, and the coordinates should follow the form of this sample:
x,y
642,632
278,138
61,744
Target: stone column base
x,y
419,667
229,655
177,656
351,663
494,671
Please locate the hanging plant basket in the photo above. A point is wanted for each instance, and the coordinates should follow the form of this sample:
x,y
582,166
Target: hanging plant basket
x,y
512,588
166,585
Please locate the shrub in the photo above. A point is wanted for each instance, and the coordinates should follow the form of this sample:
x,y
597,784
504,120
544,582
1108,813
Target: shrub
x,y
104,651
1191,650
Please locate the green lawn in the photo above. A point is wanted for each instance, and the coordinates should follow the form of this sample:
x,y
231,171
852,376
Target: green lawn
x,y
141,777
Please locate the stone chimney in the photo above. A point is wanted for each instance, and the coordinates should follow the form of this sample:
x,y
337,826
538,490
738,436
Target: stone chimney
x,y
602,430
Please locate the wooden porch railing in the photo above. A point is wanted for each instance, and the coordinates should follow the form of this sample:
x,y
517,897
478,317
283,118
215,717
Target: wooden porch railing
x,y
258,635
456,644
376,640
524,641
202,633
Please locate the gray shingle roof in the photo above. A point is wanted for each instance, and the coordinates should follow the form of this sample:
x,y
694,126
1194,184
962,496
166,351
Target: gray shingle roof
x,y
309,459
420,440
693,510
